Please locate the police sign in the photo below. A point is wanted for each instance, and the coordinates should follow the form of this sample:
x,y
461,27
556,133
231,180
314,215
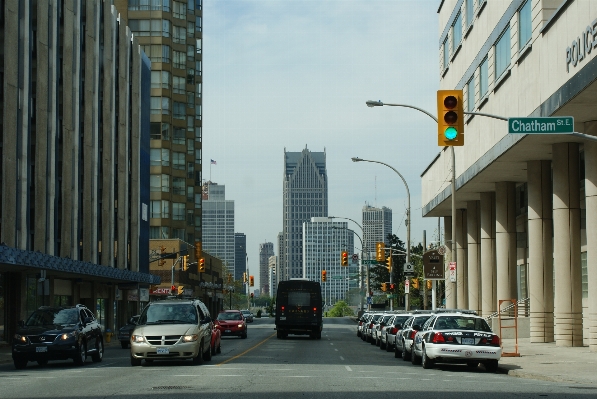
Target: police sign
x,y
433,265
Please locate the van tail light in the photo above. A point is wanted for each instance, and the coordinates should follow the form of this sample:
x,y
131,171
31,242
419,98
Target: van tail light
x,y
393,331
438,338
282,307
371,326
495,341
315,309
412,334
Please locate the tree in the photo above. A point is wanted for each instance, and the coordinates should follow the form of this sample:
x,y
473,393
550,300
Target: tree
x,y
340,309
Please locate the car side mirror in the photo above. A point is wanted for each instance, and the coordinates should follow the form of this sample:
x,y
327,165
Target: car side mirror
x,y
417,327
21,323
206,320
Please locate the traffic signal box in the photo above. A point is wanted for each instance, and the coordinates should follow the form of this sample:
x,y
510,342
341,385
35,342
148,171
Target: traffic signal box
x,y
381,253
245,278
392,287
162,261
251,281
415,283
324,276
450,118
201,265
173,290
344,258
185,263
180,290
428,284
388,263
384,287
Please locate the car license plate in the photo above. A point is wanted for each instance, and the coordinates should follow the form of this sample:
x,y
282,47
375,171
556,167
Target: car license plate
x,y
468,341
41,349
227,331
163,351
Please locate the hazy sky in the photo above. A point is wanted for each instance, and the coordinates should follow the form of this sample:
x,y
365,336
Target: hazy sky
x,y
285,74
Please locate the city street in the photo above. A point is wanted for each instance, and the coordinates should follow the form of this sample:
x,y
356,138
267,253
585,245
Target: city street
x,y
340,365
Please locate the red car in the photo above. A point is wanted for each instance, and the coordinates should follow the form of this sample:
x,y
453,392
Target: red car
x,y
231,322
216,339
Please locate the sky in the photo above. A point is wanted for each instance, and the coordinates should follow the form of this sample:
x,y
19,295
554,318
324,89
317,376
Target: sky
x,y
288,74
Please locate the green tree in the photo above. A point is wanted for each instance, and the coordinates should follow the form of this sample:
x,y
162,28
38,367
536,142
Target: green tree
x,y
340,309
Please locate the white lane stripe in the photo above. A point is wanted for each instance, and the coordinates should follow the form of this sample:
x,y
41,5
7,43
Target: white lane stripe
x,y
336,350
348,368
341,358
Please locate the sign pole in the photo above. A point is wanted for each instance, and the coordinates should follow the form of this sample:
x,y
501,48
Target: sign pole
x,y
433,282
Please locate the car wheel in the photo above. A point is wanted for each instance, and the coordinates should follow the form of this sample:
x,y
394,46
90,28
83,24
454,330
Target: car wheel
x,y
279,334
244,335
81,354
207,354
405,354
397,352
20,363
124,344
414,359
382,345
491,366
135,362
425,361
98,355
199,358
472,365
42,362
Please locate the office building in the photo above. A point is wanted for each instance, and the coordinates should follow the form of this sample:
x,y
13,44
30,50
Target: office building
x,y
266,250
240,257
377,224
272,275
218,225
525,200
305,195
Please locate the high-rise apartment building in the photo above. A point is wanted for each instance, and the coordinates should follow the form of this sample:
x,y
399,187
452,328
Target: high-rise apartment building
x,y
377,224
272,275
305,195
218,225
323,243
266,250
240,256
170,33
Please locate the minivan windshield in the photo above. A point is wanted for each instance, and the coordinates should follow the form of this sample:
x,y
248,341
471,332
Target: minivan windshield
x,y
169,314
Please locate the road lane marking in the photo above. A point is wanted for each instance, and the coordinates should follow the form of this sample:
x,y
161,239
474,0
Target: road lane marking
x,y
341,358
348,367
336,350
247,351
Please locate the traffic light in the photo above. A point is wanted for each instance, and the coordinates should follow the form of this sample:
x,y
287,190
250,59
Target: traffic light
x,y
392,287
415,283
344,258
201,265
388,263
384,287
428,284
173,290
185,263
381,253
450,118
251,281
180,290
162,261
245,278
324,276
229,277
198,249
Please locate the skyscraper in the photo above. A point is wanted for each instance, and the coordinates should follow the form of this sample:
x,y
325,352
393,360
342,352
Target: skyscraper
x,y
240,256
218,224
305,195
266,250
377,224
170,33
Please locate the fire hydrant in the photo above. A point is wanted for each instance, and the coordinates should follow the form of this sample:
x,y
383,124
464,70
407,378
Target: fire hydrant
x,y
108,336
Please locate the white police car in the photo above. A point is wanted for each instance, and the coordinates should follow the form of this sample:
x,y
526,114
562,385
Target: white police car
x,y
458,337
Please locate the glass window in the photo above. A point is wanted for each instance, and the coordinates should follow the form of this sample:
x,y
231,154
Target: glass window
x,y
198,23
190,146
190,124
179,160
190,99
166,28
190,169
524,24
470,88
160,209
190,76
190,51
198,111
446,54
190,29
160,183
470,12
179,10
179,185
198,155
159,157
456,32
190,193
180,59
198,46
191,217
178,84
198,68
178,211
584,275
198,90
483,78
179,110
179,136
160,80
159,131
191,5
179,34
502,53
198,133
198,4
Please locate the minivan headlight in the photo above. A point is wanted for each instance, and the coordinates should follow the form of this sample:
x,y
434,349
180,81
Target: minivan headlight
x,y
68,335
21,338
137,338
190,338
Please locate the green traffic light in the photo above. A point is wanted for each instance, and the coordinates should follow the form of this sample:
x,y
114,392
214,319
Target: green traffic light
x,y
450,133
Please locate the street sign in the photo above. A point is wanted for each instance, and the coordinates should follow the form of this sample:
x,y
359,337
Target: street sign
x,y
453,272
409,268
406,286
355,257
369,300
433,265
369,262
560,124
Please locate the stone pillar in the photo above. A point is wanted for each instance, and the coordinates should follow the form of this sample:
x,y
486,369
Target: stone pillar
x,y
540,250
473,251
487,217
461,281
566,225
450,287
591,220
505,240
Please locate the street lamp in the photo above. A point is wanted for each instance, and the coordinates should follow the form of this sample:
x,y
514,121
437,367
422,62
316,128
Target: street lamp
x,y
357,159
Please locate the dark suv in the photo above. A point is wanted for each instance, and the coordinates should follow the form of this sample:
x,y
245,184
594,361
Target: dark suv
x,y
58,333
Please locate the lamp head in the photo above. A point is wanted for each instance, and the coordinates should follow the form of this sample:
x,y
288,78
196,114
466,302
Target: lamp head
x,y
372,104
356,159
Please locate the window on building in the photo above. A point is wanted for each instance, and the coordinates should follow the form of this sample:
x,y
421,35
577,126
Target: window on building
x,y
190,29
159,131
179,10
198,155
470,95
198,111
178,84
190,99
179,110
446,53
190,193
483,78
190,76
198,133
160,183
457,32
179,60
470,12
159,232
198,4
190,146
524,24
179,160
180,234
178,211
199,48
159,157
179,136
198,68
160,105
157,52
190,51
179,34
502,53
190,217
190,169
198,90
160,209
198,23
584,274
179,185
160,80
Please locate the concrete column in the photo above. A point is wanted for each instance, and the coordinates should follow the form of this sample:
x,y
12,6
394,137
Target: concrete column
x,y
540,250
566,225
487,217
450,287
473,251
461,280
591,220
505,240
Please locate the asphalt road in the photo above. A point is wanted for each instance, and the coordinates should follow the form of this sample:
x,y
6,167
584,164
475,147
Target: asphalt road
x,y
340,365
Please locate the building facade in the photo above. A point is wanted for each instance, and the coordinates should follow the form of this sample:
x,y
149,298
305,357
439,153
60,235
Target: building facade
x,y
523,200
240,257
323,243
170,33
74,155
377,224
305,195
272,275
266,250
218,224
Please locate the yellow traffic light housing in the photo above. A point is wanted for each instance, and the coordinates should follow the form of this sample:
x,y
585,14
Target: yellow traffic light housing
x,y
384,287
180,290
415,283
344,258
381,253
324,276
450,118
245,278
198,249
388,263
251,281
162,261
185,263
428,284
201,265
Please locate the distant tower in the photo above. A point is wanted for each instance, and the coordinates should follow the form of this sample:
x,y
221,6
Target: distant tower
x,y
218,224
240,256
266,250
377,224
305,195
